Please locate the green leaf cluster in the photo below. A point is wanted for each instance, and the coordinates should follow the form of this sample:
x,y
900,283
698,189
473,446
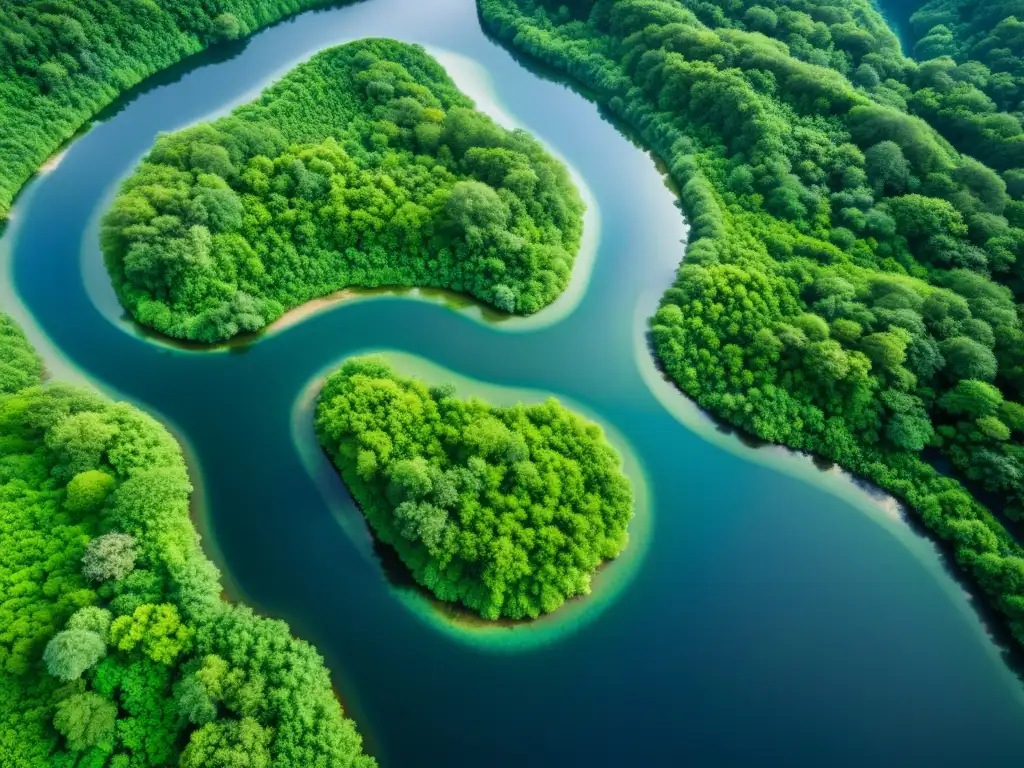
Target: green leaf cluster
x,y
508,510
970,82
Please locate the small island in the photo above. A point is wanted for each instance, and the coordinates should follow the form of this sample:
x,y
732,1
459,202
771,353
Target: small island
x,y
363,167
506,510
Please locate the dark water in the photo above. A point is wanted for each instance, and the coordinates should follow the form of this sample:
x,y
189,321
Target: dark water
x,y
898,13
774,615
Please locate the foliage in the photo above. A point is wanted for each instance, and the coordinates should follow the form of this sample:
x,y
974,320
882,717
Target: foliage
x,y
364,166
154,629
971,80
92,619
850,278
20,366
508,510
71,652
110,556
89,671
87,491
235,744
85,720
61,62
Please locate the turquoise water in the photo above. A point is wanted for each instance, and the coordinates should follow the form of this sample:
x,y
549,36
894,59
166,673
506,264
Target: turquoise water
x,y
897,13
768,611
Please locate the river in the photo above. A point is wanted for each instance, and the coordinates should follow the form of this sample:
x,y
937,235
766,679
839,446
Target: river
x,y
768,611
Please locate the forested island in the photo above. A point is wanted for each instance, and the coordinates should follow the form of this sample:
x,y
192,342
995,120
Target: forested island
x,y
363,167
116,648
506,510
851,281
61,62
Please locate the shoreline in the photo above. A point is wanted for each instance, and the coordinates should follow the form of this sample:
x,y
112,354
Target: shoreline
x,y
297,315
476,82
608,581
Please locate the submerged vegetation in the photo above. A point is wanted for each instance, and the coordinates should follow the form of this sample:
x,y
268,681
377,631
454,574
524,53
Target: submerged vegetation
x,y
363,167
62,61
115,646
508,510
851,282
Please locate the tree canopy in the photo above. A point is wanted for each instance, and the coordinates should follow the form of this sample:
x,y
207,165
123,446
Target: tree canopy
x,y
62,61
112,620
852,279
508,510
970,80
364,166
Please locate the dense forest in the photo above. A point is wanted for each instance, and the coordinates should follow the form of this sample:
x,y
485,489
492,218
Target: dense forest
x,y
115,646
851,280
972,56
508,510
363,167
62,61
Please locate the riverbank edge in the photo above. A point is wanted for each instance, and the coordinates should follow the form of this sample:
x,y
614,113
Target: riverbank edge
x,y
570,195
185,559
474,81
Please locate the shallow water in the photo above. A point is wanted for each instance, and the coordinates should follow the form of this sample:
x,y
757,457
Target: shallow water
x,y
772,613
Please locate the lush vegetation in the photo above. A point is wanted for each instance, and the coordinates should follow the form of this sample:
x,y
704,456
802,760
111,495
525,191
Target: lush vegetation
x,y
851,281
115,647
363,167
62,61
971,83
507,510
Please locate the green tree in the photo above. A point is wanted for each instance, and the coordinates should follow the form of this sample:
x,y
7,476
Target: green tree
x,y
887,168
972,399
79,442
91,618
887,349
227,27
155,629
967,359
87,491
71,652
231,744
993,428
85,720
111,556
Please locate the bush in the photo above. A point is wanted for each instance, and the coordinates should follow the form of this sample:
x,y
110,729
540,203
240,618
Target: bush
x,y
87,491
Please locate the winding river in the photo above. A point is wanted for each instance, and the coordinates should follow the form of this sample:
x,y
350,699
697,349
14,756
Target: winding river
x,y
768,611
